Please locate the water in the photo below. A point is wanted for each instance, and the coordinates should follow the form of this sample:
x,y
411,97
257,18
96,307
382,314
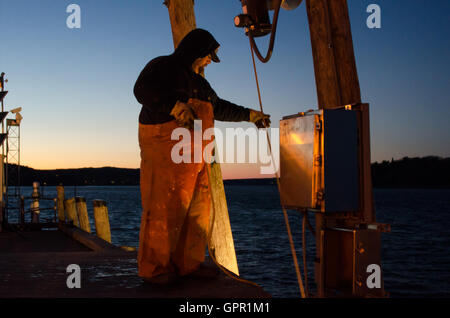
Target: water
x,y
415,254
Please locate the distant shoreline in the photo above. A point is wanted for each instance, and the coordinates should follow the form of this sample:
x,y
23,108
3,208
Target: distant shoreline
x,y
425,172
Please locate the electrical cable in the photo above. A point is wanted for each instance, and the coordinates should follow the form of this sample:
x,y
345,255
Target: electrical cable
x,y
286,219
272,37
255,50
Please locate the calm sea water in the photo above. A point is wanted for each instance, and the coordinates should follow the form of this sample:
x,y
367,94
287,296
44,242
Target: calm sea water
x,y
415,254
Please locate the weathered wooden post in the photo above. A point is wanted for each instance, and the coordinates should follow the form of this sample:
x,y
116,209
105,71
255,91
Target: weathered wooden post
x,y
182,18
182,21
35,204
338,85
101,217
83,214
70,208
60,203
22,210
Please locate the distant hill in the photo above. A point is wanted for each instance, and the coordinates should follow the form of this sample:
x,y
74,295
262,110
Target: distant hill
x,y
79,177
426,172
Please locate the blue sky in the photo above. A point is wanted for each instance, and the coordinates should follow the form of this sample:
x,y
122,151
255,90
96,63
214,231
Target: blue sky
x,y
75,85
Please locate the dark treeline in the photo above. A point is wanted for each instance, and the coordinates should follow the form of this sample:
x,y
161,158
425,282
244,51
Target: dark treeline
x,y
426,172
78,177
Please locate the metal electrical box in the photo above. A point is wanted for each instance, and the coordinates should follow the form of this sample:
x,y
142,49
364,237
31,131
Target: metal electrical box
x,y
319,160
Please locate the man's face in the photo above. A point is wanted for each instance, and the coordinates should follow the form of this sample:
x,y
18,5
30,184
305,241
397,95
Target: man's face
x,y
202,61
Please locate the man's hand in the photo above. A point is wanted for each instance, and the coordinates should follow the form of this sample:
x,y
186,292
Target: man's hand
x,y
260,119
184,115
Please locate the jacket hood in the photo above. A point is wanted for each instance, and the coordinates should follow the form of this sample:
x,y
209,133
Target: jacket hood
x,y
197,43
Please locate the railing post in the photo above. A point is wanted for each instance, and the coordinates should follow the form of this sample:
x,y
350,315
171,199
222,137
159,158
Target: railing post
x,y
83,214
35,204
22,210
102,220
60,203
70,208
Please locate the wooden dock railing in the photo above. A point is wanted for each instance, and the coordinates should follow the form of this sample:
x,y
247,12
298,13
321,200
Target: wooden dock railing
x,y
75,210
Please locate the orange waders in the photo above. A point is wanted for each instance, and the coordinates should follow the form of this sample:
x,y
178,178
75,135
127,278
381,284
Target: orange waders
x,y
175,200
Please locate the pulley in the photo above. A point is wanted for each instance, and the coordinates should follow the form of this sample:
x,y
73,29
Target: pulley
x,y
256,21
255,17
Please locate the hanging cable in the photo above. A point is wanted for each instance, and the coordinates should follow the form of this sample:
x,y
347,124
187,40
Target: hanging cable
x,y
305,266
272,37
286,219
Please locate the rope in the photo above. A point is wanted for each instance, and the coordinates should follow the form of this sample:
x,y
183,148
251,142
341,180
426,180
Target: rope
x,y
286,219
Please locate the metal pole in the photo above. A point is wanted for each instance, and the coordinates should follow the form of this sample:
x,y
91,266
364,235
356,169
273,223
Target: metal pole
x,y
2,212
4,187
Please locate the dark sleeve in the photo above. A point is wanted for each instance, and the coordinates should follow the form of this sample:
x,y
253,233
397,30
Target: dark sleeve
x,y
160,86
225,110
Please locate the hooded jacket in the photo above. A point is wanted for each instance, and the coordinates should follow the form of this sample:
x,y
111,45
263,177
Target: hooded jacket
x,y
168,79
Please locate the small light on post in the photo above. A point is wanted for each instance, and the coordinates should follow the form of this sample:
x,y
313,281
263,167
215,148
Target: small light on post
x,y
18,115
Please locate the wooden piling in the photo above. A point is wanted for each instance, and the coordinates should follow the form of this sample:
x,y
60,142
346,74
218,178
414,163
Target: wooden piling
x,y
182,18
34,206
22,210
83,214
102,220
337,85
70,208
60,203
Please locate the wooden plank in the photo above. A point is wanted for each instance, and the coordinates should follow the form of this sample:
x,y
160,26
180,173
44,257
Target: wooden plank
x,y
106,275
90,241
221,241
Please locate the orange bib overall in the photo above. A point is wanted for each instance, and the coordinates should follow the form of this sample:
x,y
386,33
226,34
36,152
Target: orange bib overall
x,y
175,200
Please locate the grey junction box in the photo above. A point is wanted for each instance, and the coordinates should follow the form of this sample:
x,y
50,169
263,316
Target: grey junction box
x,y
319,160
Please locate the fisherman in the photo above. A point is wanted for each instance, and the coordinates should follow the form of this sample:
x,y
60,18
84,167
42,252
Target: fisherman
x,y
176,197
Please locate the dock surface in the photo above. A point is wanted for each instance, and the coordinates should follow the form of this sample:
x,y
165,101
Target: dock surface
x,y
33,264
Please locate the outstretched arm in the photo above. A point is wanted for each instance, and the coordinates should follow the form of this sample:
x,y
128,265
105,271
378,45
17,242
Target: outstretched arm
x,y
227,111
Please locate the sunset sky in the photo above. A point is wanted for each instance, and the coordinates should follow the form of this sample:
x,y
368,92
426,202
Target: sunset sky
x,y
76,85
